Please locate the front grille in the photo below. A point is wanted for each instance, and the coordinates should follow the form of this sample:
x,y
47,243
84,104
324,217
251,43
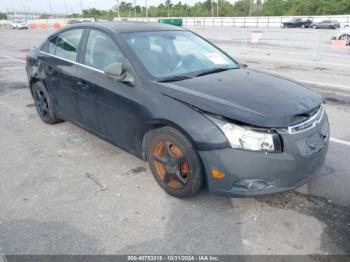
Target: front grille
x,y
314,143
311,122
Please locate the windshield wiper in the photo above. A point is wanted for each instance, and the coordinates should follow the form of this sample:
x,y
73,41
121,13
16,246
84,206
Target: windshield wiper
x,y
175,78
214,70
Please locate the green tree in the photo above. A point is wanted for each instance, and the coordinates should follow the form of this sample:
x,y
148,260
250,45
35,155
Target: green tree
x,y
274,7
225,8
3,16
241,8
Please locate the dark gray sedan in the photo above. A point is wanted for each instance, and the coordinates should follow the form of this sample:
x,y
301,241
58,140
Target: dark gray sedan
x,y
326,24
175,100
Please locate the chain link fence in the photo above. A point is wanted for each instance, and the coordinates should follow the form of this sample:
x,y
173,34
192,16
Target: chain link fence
x,y
306,42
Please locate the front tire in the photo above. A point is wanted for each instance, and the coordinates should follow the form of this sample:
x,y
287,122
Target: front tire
x,y
43,104
174,162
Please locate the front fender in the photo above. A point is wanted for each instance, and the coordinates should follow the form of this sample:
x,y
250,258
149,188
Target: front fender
x,y
166,111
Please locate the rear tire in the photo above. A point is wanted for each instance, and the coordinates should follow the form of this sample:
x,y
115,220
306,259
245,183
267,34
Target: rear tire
x,y
174,162
43,104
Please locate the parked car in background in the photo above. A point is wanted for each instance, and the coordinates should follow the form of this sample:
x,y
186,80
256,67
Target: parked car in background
x,y
342,34
297,22
18,24
73,21
326,24
79,21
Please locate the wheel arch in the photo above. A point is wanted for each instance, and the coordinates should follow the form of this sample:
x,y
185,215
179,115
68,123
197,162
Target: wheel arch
x,y
33,81
159,123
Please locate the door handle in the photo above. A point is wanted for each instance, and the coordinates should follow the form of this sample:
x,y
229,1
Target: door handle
x,y
83,85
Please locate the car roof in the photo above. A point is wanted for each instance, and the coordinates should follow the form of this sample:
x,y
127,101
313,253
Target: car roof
x,y
128,26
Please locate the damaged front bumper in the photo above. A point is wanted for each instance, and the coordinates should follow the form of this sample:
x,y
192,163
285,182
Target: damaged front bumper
x,y
248,173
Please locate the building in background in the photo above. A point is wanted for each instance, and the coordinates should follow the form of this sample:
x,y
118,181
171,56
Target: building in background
x,y
18,15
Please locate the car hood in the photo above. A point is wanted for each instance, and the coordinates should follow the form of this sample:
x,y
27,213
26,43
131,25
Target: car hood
x,y
249,96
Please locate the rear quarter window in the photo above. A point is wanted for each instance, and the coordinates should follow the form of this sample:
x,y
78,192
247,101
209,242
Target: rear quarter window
x,y
67,43
50,45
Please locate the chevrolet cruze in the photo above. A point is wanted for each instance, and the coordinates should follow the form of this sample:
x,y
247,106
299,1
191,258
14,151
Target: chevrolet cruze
x,y
173,99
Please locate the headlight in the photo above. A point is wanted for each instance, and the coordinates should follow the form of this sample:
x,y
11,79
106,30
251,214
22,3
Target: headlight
x,y
249,139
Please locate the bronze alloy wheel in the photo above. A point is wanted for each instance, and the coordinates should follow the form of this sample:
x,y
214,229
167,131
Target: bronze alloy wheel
x,y
170,164
174,162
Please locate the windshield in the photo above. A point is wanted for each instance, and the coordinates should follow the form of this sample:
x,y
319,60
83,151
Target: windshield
x,y
166,54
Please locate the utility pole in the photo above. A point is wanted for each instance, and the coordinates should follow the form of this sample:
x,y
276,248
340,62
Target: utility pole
x,y
250,7
217,8
135,8
81,6
212,10
50,5
168,8
146,10
118,3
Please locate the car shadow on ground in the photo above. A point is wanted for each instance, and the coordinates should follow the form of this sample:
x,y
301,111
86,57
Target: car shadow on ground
x,y
193,226
34,237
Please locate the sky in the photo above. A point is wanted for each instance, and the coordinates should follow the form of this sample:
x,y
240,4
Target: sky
x,y
69,6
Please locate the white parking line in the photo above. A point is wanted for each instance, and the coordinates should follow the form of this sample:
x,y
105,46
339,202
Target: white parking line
x,y
13,59
343,142
262,57
11,68
324,84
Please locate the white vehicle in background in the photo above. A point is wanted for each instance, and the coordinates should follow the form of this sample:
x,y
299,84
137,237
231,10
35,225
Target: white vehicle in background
x,y
18,24
342,34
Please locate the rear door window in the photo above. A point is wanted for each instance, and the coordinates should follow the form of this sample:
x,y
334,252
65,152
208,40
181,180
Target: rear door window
x,y
67,44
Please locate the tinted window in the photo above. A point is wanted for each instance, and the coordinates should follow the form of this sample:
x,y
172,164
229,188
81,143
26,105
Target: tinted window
x,y
67,44
101,51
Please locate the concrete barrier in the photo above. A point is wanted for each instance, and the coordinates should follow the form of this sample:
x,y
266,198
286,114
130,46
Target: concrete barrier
x,y
43,26
56,25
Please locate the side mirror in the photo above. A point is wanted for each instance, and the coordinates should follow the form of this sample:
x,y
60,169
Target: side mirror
x,y
118,72
243,65
114,71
